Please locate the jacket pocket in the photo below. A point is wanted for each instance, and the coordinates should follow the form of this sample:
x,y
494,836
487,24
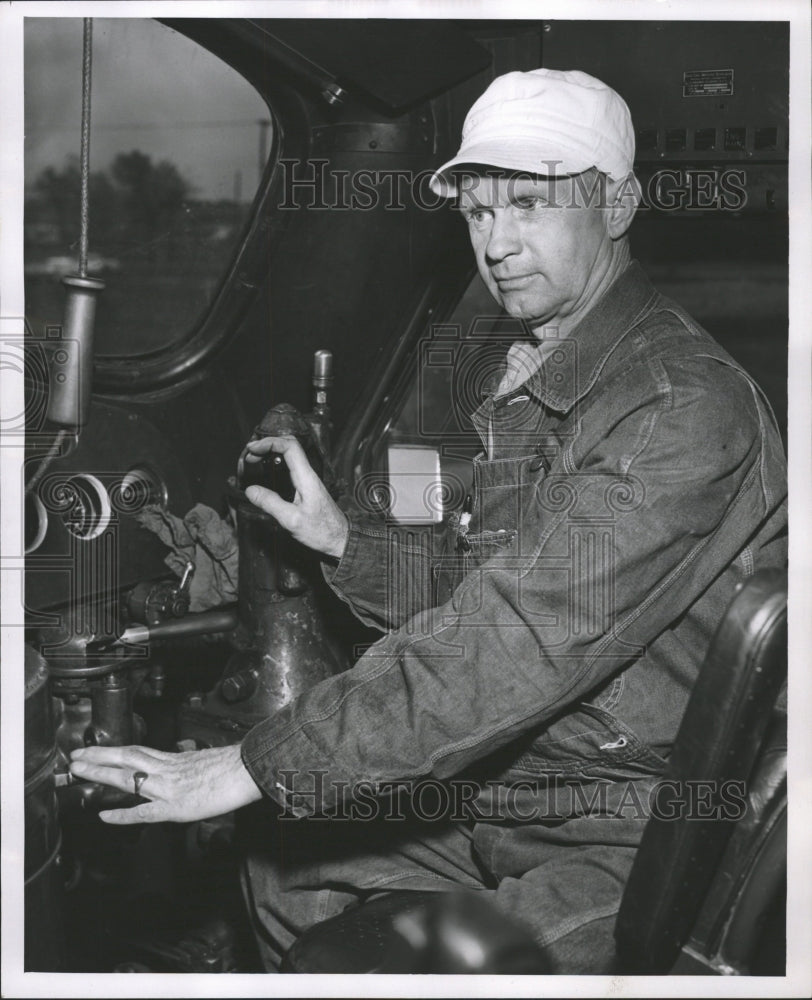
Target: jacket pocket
x,y
589,742
476,549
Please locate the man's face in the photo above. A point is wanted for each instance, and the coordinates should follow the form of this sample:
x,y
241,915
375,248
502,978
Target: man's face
x,y
540,244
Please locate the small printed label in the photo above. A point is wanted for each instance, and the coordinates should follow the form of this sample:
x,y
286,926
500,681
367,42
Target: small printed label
x,y
707,82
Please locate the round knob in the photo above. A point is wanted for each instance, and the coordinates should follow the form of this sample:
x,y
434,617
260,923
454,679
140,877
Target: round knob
x,y
239,686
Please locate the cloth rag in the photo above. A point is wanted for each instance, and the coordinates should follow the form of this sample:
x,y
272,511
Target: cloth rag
x,y
205,539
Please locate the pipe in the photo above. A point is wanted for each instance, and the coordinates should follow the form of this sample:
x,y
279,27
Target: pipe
x,y
202,623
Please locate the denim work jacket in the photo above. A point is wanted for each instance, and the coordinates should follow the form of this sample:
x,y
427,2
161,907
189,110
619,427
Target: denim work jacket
x,y
629,485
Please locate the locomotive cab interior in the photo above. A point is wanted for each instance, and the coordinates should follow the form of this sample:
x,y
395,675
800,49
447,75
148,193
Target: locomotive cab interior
x,y
316,287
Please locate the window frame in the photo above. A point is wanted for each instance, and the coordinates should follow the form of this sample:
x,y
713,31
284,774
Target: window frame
x,y
391,382
186,358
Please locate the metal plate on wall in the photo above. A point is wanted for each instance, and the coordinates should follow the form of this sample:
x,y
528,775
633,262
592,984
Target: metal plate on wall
x,y
734,105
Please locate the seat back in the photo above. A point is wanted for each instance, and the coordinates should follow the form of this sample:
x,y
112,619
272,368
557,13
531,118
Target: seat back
x,y
742,925
717,744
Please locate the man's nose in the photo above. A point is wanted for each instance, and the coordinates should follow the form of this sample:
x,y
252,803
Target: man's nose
x,y
503,239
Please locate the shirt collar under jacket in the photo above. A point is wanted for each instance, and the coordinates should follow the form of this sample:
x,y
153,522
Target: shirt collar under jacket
x,y
561,386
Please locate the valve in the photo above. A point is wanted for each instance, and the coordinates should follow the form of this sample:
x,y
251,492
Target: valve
x,y
152,603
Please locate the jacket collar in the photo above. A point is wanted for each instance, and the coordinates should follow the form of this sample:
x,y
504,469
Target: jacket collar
x,y
575,370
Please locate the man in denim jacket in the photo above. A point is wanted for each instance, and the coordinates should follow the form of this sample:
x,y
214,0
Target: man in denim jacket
x,y
532,682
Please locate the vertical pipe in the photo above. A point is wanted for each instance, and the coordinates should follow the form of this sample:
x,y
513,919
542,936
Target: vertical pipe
x,y
322,380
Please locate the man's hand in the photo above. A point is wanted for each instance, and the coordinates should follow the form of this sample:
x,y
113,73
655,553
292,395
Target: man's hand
x,y
182,787
313,518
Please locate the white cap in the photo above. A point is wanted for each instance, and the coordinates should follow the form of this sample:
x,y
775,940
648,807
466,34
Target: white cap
x,y
548,122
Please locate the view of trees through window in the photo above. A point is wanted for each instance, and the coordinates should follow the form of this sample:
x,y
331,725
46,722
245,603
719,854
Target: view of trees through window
x,y
178,143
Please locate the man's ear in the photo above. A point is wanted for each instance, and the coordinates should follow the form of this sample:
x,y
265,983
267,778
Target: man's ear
x,y
624,196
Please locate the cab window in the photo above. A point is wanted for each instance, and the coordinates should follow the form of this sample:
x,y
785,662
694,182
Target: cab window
x,y
179,143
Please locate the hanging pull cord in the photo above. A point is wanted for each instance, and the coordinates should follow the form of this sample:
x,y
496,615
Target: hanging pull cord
x,y
84,210
84,220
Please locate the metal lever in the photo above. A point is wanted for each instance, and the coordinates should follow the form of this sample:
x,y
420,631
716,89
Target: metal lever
x,y
186,579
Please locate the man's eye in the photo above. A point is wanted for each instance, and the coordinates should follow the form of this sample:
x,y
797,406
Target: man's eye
x,y
529,202
477,216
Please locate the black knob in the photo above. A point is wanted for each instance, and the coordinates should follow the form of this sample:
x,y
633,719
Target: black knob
x,y
239,686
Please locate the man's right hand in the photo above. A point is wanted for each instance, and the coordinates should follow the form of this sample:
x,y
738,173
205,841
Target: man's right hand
x,y
313,518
